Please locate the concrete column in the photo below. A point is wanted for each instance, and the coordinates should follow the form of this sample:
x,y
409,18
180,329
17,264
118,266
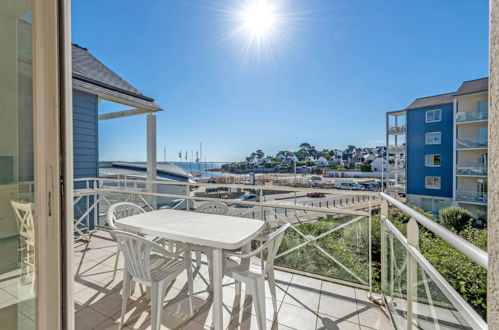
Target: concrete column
x,y
493,195
151,155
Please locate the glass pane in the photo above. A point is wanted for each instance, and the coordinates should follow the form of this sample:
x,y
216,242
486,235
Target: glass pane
x,y
431,308
17,236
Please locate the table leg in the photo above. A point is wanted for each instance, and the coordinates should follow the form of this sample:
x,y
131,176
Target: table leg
x,y
217,289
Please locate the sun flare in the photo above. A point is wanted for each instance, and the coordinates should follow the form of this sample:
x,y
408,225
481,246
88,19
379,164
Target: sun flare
x,y
259,18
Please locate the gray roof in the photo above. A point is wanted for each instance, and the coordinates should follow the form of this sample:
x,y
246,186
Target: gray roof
x,y
431,100
92,75
473,86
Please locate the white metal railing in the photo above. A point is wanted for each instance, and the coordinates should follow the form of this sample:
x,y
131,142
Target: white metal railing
x,y
396,148
471,196
471,169
472,142
413,289
401,128
471,116
349,213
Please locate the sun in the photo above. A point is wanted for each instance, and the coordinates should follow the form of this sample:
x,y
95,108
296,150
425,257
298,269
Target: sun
x,y
259,18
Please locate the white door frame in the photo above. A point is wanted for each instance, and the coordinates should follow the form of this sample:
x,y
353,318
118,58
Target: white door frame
x,y
52,128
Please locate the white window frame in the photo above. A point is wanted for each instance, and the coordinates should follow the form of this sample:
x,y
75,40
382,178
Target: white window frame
x,y
434,111
434,180
432,156
427,134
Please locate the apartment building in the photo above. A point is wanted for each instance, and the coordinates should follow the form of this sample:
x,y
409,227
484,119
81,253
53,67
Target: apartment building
x,y
445,146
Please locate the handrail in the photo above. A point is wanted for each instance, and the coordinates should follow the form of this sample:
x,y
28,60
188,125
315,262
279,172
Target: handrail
x,y
242,186
476,254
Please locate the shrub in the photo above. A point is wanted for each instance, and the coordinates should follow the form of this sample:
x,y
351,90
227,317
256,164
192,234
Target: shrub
x,y
456,218
365,168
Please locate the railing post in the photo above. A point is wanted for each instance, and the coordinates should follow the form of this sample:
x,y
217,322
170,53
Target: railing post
x,y
384,214
370,249
412,271
88,204
262,216
96,198
187,195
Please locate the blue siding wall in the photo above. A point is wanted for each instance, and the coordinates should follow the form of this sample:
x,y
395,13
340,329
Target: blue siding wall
x,y
85,145
417,149
85,135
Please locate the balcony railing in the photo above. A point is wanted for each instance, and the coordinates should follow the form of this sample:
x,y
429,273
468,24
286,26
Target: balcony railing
x,y
462,117
397,129
330,238
471,169
471,196
472,142
396,149
416,294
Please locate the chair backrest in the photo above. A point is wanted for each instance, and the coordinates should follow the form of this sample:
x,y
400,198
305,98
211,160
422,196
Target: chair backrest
x,y
213,208
122,210
137,252
271,244
24,213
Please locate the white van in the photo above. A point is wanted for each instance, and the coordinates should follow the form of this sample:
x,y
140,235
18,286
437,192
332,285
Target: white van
x,y
347,185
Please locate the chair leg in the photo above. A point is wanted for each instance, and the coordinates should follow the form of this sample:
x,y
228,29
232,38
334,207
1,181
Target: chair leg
x,y
190,281
238,288
158,293
127,280
198,259
210,272
271,280
259,301
116,261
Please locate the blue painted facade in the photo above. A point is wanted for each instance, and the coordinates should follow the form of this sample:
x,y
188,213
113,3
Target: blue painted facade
x,y
417,149
85,135
85,144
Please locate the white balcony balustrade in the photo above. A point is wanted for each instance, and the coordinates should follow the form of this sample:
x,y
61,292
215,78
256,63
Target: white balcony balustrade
x,y
472,143
463,117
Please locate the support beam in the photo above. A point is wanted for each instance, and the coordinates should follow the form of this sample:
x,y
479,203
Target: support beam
x,y
151,155
124,113
493,202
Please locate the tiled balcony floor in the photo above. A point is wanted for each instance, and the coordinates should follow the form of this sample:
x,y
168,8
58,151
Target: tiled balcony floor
x,y
303,302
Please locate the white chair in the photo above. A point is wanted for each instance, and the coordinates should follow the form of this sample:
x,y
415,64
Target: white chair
x,y
210,208
254,279
24,213
119,211
149,264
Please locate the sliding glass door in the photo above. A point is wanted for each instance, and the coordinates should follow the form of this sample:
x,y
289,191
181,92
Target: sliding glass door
x,y
17,228
31,222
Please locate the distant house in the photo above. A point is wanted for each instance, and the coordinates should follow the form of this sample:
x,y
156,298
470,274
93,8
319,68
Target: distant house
x,y
379,164
321,161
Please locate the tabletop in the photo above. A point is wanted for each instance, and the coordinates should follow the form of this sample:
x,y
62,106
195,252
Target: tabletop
x,y
212,230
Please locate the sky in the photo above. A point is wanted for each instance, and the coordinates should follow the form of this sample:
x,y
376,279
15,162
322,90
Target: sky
x,y
322,71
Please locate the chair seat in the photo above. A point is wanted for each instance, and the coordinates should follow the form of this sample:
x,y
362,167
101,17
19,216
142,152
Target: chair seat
x,y
163,267
232,268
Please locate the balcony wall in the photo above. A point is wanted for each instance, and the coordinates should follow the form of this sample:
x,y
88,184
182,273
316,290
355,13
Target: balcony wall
x,y
463,117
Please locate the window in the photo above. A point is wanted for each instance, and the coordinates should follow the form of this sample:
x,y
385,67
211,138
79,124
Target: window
x,y
432,160
483,106
433,205
432,182
433,138
433,115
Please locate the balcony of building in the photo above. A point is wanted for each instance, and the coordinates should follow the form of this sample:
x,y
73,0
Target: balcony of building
x,y
471,169
471,117
473,197
474,142
323,267
397,129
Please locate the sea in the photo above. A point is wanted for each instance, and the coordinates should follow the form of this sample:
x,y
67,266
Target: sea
x,y
202,168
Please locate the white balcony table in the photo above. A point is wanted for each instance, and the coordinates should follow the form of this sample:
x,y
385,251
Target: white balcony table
x,y
219,232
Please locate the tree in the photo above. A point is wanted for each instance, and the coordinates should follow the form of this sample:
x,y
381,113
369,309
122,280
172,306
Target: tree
x,y
351,147
259,154
305,146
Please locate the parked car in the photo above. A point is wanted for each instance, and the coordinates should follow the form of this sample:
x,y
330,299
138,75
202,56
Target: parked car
x,y
348,185
315,195
249,198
